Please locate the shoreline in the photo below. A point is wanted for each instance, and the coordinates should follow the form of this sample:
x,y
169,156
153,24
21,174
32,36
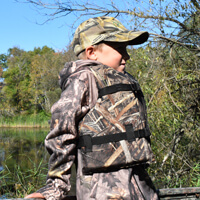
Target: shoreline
x,y
23,126
39,120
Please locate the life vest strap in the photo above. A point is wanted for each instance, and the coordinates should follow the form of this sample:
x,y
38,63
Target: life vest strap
x,y
130,135
119,87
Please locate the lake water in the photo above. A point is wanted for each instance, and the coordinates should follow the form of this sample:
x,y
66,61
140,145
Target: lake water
x,y
22,157
21,146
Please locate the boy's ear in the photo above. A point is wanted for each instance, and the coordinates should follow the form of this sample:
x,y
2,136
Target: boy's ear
x,y
91,53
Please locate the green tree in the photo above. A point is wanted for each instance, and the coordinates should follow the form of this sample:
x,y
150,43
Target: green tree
x,y
16,79
45,69
31,79
3,60
171,86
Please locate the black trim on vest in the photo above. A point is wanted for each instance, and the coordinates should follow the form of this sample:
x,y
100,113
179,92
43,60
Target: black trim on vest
x,y
119,87
87,140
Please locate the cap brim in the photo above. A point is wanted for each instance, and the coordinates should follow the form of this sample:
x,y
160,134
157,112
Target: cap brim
x,y
134,38
141,38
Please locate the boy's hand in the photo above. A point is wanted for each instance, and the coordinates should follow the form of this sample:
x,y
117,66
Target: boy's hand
x,y
35,195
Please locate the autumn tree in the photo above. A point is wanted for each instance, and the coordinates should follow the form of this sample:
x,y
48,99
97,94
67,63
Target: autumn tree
x,y
31,79
44,76
16,80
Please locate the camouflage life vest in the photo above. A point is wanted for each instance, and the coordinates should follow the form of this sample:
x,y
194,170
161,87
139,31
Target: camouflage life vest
x,y
114,134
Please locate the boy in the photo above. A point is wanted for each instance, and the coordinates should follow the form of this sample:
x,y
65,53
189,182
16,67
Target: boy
x,y
100,121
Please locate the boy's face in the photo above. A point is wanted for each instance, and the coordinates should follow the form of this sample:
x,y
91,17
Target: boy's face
x,y
113,54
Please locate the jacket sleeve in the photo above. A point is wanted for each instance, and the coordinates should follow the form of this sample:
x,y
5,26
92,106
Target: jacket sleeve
x,y
79,95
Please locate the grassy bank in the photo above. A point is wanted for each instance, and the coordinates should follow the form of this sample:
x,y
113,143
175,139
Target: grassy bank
x,y
39,120
19,182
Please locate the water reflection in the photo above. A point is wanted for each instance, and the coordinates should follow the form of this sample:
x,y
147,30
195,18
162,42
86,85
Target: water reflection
x,y
22,146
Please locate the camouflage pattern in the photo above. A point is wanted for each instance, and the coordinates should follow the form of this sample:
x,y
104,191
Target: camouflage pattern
x,y
79,95
109,116
109,29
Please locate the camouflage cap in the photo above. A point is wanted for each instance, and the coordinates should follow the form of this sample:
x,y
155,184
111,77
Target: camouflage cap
x,y
98,29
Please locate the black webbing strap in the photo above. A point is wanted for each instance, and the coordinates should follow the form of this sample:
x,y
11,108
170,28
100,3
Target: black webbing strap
x,y
118,87
87,140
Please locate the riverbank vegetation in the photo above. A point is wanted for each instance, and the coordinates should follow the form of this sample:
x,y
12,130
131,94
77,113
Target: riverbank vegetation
x,y
39,120
167,68
19,182
23,161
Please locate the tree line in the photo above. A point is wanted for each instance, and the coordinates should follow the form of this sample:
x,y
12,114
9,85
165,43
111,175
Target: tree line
x,y
30,80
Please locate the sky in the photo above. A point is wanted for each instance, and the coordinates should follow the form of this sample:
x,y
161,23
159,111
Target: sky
x,y
19,28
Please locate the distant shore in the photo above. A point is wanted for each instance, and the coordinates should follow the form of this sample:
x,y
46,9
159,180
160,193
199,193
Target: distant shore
x,y
40,120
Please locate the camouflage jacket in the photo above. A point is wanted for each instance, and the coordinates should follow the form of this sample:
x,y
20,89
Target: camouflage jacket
x,y
79,95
